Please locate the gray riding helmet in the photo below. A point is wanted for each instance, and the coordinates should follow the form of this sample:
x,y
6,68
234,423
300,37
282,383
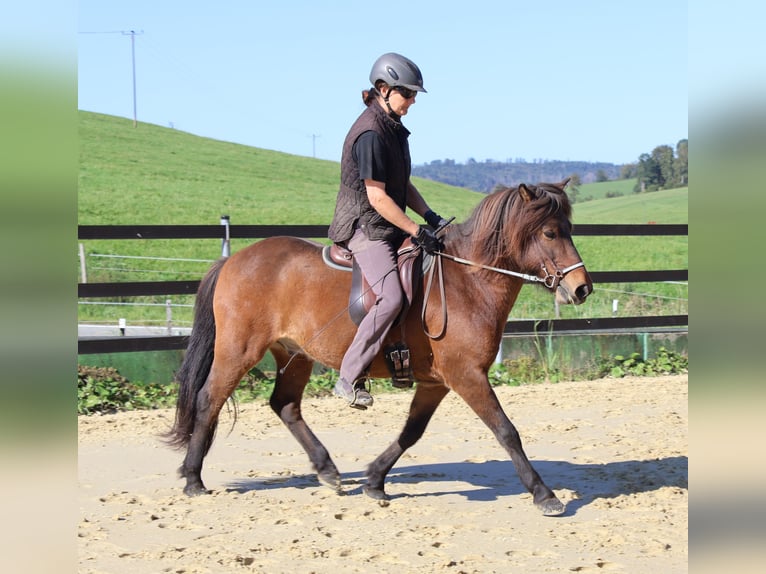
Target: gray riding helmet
x,y
396,70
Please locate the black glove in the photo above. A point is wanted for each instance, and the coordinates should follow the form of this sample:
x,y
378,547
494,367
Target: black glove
x,y
434,219
427,239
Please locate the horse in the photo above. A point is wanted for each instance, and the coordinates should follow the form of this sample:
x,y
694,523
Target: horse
x,y
278,295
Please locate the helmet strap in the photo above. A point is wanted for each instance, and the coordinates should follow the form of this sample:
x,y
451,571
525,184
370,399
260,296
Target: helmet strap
x,y
391,112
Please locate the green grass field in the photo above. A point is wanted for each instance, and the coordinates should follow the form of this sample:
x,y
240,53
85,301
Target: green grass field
x,y
592,191
156,175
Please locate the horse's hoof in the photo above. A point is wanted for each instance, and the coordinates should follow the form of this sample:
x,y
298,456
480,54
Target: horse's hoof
x,y
331,479
196,490
378,494
552,507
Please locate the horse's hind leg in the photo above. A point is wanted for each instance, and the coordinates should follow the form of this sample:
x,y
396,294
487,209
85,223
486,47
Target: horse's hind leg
x,y
483,400
292,376
223,379
423,406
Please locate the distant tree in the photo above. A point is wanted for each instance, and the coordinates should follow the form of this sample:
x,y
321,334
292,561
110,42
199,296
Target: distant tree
x,y
601,176
628,171
647,173
575,180
663,155
573,188
681,164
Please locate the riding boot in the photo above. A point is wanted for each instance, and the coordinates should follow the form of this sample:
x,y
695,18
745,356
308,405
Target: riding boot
x,y
357,395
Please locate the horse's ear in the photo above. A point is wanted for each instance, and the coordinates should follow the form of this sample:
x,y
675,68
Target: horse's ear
x,y
564,183
525,193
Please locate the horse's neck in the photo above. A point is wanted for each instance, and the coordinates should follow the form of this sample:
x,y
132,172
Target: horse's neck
x,y
488,289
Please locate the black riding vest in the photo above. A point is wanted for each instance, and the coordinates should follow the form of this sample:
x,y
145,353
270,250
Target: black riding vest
x,y
352,208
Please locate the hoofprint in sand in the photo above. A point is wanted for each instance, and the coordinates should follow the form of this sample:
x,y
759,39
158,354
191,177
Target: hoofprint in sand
x,y
614,450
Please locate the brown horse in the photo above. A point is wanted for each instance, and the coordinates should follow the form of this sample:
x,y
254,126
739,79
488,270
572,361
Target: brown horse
x,y
277,295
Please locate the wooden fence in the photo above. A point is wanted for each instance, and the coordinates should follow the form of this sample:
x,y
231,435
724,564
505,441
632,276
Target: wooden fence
x,y
95,345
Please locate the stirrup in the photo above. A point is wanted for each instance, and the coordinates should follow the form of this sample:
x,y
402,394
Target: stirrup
x,y
355,394
362,396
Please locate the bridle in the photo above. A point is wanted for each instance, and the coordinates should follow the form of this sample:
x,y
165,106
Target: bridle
x,y
551,281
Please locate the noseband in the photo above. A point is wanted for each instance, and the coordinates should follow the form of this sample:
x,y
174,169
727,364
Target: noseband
x,y
551,280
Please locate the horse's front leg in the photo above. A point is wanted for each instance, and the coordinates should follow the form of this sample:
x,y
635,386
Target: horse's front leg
x,y
478,394
427,398
285,401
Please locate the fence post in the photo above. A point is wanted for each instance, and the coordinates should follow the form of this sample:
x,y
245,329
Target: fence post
x,y
83,273
169,316
226,242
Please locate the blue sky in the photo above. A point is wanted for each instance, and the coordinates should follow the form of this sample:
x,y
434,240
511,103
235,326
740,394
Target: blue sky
x,y
587,80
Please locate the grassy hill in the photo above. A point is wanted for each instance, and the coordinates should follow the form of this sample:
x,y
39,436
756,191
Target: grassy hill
x,y
669,206
156,175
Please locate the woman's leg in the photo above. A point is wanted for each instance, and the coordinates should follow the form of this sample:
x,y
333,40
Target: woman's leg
x,y
377,261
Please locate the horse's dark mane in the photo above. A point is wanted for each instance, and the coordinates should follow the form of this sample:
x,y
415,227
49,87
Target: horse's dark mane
x,y
503,223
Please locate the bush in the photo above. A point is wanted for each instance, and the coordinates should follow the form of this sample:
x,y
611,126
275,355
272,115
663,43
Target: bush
x,y
104,390
665,363
515,372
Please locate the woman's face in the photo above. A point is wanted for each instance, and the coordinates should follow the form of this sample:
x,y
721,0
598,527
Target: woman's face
x,y
398,102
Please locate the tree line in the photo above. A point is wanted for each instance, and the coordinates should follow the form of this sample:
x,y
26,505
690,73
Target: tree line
x,y
663,168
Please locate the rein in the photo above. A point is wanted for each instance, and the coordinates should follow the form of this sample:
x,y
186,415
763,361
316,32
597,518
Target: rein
x,y
550,280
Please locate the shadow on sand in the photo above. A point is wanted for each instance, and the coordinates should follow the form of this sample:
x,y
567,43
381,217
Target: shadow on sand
x,y
491,480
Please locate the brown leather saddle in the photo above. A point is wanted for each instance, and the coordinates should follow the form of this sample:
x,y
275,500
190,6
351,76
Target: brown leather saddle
x,y
410,262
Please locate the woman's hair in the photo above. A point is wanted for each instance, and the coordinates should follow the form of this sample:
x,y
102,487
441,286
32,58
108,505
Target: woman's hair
x,y
368,96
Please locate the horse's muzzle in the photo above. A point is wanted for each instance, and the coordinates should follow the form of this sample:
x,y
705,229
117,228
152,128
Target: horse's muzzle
x,y
566,296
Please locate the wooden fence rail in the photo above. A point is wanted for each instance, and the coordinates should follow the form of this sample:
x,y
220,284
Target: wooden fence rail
x,y
94,345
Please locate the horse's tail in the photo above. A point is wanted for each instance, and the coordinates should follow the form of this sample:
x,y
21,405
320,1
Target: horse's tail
x,y
195,367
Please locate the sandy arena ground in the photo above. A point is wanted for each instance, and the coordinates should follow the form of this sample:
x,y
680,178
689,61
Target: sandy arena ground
x,y
614,451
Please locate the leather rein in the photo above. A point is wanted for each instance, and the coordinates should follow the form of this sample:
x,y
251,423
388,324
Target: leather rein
x,y
551,281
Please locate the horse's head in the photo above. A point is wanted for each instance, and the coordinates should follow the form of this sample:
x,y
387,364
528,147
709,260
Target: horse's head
x,y
544,240
527,229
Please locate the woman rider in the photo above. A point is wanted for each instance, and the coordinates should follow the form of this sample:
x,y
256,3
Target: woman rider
x,y
370,218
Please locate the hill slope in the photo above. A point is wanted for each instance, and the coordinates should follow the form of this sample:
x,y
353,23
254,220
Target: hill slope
x,y
157,175
669,206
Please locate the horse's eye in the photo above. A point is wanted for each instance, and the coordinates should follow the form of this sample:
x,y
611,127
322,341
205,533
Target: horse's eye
x,y
549,234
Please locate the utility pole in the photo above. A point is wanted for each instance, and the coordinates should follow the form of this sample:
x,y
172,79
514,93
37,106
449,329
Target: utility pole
x,y
314,145
132,35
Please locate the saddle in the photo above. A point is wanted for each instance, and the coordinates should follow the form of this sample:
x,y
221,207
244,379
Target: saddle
x,y
410,261
412,264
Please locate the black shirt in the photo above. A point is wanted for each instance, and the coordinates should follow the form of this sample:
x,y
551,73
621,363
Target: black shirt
x,y
369,153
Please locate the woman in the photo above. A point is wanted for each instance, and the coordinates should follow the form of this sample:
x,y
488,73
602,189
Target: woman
x,y
370,218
